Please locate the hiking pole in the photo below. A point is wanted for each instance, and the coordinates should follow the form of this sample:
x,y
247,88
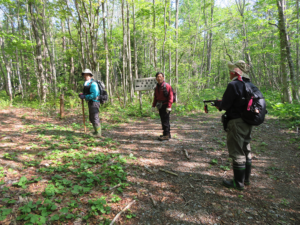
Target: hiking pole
x,y
83,115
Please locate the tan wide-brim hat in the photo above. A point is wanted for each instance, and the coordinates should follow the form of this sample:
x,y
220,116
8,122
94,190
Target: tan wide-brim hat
x,y
240,67
87,71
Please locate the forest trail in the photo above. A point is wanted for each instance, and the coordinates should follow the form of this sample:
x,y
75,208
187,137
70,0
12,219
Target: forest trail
x,y
193,196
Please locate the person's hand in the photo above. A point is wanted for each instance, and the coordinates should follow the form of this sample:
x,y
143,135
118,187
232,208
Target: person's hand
x,y
82,96
168,110
153,109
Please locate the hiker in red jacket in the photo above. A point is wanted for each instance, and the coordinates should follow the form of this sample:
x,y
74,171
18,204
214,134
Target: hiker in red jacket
x,y
163,99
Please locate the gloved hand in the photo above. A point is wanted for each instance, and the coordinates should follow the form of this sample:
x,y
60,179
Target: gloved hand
x,y
153,109
82,96
168,110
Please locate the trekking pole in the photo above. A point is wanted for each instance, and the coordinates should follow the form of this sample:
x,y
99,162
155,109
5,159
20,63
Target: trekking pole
x,y
83,115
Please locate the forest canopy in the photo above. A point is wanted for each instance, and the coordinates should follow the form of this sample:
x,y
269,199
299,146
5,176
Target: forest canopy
x,y
45,45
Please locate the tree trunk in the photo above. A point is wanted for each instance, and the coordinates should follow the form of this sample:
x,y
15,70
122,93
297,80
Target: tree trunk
x,y
295,88
38,53
17,57
283,53
42,26
4,76
154,37
209,45
64,50
124,53
106,48
170,53
176,34
129,55
165,36
297,46
8,70
83,62
241,8
136,54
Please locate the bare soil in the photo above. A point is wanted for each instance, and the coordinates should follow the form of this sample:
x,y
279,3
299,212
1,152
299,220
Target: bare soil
x,y
196,157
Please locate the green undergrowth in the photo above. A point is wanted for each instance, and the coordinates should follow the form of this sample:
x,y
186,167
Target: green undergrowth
x,y
77,179
188,101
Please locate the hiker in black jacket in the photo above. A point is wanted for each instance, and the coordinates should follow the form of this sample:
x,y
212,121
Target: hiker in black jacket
x,y
238,132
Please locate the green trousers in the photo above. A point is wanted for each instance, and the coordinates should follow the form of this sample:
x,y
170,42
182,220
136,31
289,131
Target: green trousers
x,y
238,140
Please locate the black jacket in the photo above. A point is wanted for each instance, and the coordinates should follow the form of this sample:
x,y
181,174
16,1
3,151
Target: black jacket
x,y
232,100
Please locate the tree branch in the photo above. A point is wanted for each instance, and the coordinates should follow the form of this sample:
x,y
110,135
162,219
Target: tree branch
x,y
274,24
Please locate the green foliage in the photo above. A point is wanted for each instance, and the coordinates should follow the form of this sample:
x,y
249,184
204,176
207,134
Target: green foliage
x,y
224,168
41,211
4,103
22,182
99,205
1,172
214,161
115,198
289,111
285,202
4,212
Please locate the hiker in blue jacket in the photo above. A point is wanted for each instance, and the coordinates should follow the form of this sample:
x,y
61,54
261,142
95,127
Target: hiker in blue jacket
x,y
91,94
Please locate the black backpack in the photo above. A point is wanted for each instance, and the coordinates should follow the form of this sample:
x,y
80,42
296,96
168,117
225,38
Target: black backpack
x,y
103,98
166,93
254,114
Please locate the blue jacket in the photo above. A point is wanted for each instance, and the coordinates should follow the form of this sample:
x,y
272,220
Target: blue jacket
x,y
93,91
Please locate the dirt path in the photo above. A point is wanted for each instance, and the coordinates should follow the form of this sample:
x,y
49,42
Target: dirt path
x,y
194,195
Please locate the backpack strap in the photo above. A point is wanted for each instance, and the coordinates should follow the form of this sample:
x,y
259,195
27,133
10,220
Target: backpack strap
x,y
166,93
98,97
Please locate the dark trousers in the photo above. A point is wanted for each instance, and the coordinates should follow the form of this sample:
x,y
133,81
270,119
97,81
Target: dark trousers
x,y
94,112
165,120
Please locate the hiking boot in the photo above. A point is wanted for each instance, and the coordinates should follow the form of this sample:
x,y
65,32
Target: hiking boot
x,y
97,131
239,177
163,135
248,171
164,138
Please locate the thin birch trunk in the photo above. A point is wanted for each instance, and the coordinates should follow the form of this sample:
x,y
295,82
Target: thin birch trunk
x,y
165,36
64,50
106,47
4,76
176,34
297,46
124,53
129,55
209,45
135,54
241,8
42,26
170,52
154,37
8,70
83,62
17,57
38,54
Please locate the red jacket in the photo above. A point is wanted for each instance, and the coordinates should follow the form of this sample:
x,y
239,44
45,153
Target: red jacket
x,y
160,97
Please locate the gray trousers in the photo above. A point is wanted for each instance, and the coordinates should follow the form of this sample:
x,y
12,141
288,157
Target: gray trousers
x,y
94,112
238,140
